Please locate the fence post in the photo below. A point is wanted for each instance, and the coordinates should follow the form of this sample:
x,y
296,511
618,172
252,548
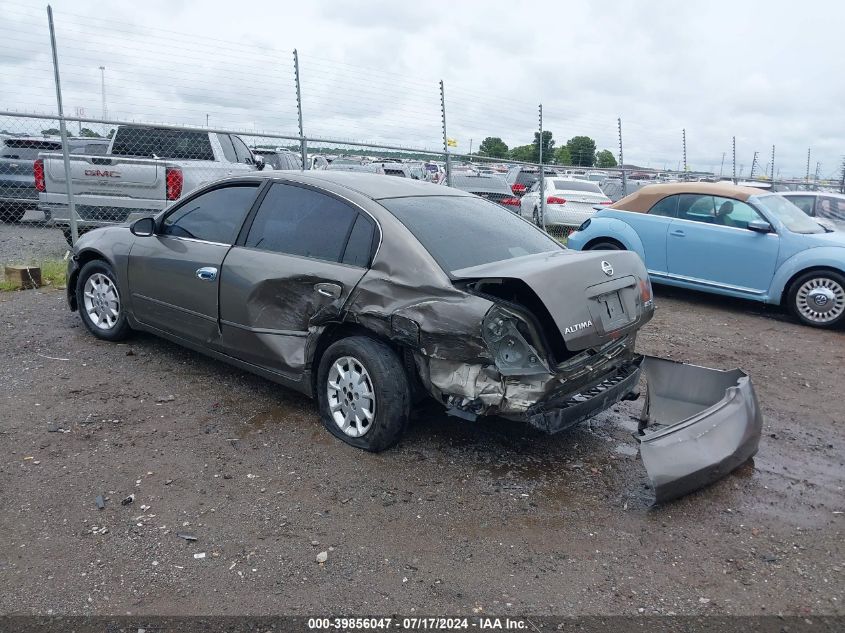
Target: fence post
x,y
622,159
773,169
842,182
303,144
684,133
733,150
807,177
74,232
445,137
542,177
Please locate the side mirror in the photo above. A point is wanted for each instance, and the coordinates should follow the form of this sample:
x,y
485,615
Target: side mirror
x,y
259,162
145,227
760,226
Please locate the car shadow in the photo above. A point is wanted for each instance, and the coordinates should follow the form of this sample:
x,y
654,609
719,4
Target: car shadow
x,y
721,302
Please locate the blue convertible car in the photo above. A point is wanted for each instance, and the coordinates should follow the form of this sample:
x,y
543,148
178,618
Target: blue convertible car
x,y
729,240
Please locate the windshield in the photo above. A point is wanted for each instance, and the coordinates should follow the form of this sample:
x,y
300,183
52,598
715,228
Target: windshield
x,y
460,232
792,217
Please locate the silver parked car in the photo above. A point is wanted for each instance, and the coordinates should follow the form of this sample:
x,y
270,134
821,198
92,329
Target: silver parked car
x,y
827,208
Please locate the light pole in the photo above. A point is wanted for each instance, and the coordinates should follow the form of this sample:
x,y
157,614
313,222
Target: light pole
x,y
103,90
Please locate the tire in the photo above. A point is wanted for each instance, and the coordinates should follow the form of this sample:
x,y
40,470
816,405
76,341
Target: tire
x,y
606,246
383,377
68,236
103,300
536,217
817,298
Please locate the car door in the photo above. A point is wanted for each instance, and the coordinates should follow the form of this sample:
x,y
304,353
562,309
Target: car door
x,y
710,244
304,252
174,274
651,228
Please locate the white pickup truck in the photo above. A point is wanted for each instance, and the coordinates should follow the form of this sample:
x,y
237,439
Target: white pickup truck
x,y
145,169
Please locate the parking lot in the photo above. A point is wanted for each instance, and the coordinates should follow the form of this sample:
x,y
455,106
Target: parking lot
x,y
484,517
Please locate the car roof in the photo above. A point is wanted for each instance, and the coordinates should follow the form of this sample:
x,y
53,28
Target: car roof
x,y
645,198
375,186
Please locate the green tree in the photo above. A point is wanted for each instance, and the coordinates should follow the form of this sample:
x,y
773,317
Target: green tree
x,y
583,150
494,147
89,133
523,152
562,156
548,147
52,131
605,158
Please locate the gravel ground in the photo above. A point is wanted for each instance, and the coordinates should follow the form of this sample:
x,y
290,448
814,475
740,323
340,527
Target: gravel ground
x,y
487,516
28,243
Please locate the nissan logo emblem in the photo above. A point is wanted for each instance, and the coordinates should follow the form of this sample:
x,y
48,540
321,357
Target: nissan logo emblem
x,y
607,268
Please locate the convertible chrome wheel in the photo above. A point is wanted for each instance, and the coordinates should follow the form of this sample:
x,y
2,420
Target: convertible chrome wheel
x,y
352,401
820,300
102,302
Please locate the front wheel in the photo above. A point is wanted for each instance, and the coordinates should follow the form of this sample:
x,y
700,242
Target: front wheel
x,y
817,298
363,393
99,302
12,214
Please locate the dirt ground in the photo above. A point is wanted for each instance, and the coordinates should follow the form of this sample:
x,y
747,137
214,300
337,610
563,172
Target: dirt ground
x,y
460,516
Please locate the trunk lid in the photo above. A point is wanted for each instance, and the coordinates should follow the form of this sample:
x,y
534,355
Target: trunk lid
x,y
593,297
104,175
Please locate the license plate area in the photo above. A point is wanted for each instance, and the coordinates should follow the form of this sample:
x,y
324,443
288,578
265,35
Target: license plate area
x,y
613,314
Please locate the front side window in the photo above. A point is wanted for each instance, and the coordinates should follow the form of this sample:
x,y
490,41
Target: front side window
x,y
668,207
244,155
214,216
228,148
299,221
734,213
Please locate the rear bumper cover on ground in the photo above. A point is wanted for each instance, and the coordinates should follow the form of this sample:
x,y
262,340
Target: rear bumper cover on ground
x,y
698,424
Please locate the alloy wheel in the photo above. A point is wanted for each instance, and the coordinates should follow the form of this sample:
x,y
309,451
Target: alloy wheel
x,y
102,301
352,400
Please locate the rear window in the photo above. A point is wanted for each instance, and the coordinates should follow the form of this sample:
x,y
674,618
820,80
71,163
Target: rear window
x,y
527,178
162,143
442,224
576,185
27,149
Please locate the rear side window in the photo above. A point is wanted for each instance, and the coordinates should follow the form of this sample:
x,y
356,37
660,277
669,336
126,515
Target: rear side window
x,y
668,207
162,143
360,245
299,221
215,216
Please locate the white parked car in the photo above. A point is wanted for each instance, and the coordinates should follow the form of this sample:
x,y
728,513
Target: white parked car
x,y
569,201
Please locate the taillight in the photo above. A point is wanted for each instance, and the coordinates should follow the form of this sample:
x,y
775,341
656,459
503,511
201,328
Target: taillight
x,y
38,172
606,202
555,200
645,290
511,202
173,179
517,188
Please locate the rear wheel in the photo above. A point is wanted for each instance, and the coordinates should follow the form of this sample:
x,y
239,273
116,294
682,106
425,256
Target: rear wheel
x,y
536,216
99,303
817,298
606,245
363,393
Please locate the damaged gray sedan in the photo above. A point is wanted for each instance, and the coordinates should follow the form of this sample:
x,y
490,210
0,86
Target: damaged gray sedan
x,y
371,293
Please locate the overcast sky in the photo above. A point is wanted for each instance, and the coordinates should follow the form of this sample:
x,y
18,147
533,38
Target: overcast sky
x,y
767,72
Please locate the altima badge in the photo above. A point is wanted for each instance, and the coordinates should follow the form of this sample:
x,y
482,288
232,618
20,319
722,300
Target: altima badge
x,y
607,268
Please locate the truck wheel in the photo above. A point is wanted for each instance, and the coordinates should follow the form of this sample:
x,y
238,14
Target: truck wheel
x,y
363,393
817,298
68,236
99,302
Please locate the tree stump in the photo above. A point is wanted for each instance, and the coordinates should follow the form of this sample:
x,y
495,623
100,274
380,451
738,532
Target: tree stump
x,y
24,277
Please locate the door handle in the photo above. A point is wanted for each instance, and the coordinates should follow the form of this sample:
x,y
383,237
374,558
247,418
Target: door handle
x,y
678,233
207,273
328,290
